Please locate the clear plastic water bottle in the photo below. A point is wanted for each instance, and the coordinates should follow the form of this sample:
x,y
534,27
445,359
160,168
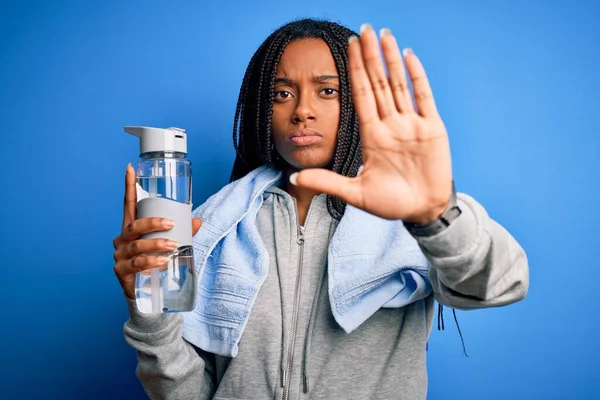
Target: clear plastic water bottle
x,y
164,189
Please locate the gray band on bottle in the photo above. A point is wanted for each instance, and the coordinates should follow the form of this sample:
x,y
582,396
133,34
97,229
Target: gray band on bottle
x,y
180,213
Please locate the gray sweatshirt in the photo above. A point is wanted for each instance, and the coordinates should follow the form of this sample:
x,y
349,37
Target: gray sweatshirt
x,y
292,347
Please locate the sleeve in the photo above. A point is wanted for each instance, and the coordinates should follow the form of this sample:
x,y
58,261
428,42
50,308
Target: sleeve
x,y
475,262
168,366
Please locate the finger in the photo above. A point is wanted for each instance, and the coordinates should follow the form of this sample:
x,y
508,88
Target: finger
x,y
377,76
397,72
142,246
141,226
362,93
196,224
422,90
149,270
140,263
327,181
130,201
145,263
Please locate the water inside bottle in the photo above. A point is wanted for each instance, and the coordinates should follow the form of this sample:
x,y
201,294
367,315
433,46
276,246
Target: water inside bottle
x,y
168,187
175,283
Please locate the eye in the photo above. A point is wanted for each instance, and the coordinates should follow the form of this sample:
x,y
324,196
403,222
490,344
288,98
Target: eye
x,y
329,92
282,95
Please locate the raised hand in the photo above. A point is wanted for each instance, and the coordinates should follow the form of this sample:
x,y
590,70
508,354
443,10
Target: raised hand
x,y
407,170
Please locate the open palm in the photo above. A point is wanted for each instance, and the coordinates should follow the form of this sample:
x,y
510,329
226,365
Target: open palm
x,y
407,171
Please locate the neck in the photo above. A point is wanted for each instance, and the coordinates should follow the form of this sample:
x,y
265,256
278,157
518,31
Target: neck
x,y
302,195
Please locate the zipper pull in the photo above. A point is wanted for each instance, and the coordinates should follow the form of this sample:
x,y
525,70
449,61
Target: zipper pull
x,y
300,239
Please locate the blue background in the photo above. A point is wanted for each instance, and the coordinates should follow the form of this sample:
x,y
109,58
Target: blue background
x,y
516,83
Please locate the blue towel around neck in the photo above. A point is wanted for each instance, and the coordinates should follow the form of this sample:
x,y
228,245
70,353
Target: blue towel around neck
x,y
373,263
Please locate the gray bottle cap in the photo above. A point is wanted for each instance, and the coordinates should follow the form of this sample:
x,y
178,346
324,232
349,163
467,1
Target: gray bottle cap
x,y
158,139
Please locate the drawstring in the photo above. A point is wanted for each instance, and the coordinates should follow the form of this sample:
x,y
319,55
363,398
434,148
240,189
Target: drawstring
x,y
311,321
309,331
441,317
460,333
441,326
282,359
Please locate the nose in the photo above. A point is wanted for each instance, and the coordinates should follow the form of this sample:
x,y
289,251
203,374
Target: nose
x,y
304,110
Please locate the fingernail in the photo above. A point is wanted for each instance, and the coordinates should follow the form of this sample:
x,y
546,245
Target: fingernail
x,y
352,38
407,51
162,260
364,27
172,244
294,178
167,223
384,32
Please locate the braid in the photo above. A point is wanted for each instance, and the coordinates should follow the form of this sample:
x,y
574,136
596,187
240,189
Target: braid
x,y
272,58
254,111
240,162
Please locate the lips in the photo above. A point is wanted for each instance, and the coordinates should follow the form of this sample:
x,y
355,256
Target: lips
x,y
304,137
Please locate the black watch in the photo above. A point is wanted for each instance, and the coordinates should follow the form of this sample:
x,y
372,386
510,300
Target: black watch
x,y
433,228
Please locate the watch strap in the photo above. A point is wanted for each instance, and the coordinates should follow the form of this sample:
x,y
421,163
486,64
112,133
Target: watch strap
x,y
451,212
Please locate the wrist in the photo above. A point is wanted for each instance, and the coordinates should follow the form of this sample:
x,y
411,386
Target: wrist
x,y
147,323
435,221
432,215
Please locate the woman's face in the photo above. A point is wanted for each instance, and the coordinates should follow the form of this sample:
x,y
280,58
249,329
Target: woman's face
x,y
306,109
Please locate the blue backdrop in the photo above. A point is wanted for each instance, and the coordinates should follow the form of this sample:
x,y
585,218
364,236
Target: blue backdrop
x,y
517,85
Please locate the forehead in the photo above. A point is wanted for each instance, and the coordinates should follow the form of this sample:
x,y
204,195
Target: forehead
x,y
306,56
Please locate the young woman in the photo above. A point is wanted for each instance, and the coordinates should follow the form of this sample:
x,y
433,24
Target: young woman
x,y
319,263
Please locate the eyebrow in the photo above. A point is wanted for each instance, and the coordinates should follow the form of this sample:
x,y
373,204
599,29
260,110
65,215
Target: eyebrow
x,y
325,78
316,79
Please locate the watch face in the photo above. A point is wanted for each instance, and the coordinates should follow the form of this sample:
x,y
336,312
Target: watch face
x,y
454,212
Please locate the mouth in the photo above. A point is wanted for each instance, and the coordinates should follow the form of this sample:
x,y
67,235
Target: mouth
x,y
304,137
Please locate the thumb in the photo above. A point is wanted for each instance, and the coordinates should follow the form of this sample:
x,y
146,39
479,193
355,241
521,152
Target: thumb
x,y
196,224
332,183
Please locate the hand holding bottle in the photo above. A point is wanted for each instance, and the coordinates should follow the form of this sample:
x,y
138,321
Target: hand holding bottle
x,y
132,254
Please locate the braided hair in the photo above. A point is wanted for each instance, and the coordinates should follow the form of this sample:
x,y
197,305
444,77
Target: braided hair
x,y
252,138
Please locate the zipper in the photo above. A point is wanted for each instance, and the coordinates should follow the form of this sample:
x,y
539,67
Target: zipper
x,y
287,372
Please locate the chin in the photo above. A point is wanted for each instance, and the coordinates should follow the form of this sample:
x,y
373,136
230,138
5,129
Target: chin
x,y
301,163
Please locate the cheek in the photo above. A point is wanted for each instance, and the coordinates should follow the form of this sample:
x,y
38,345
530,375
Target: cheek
x,y
276,118
333,119
279,120
278,129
